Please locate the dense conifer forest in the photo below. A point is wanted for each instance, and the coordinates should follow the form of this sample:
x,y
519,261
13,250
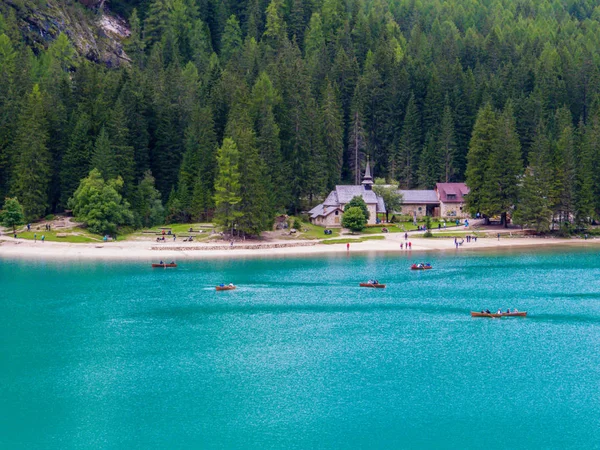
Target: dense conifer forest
x,y
236,110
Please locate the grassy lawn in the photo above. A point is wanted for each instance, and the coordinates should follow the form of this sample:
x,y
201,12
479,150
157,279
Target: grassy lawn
x,y
310,231
183,228
350,240
73,235
451,234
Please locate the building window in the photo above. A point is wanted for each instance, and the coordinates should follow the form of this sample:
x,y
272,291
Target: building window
x,y
461,208
420,209
451,196
337,212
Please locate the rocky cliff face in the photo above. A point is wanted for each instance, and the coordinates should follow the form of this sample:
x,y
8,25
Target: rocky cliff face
x,y
96,33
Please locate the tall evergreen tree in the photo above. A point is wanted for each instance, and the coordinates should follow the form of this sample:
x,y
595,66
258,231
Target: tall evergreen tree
x,y
76,162
32,169
505,167
480,149
410,143
227,186
333,134
534,205
447,145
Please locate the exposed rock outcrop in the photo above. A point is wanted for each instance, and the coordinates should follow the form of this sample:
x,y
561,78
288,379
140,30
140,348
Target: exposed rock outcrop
x,y
95,32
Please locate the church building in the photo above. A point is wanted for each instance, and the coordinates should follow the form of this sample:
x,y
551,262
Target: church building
x,y
329,213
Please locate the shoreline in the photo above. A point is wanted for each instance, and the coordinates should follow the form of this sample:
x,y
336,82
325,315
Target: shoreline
x,y
148,251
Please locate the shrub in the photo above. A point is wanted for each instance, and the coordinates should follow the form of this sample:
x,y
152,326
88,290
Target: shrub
x,y
354,219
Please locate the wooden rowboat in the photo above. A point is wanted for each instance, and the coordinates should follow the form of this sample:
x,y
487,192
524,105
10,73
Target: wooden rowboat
x,y
371,285
415,267
164,265
225,288
496,315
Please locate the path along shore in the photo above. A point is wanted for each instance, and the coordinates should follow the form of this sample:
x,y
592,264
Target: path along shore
x,y
142,250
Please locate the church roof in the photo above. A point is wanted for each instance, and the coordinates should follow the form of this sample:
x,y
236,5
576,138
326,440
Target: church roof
x,y
452,192
419,197
322,210
342,194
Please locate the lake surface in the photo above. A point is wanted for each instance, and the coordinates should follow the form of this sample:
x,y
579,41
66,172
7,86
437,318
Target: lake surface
x,y
99,355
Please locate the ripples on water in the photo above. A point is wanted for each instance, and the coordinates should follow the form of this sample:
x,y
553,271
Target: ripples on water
x,y
120,355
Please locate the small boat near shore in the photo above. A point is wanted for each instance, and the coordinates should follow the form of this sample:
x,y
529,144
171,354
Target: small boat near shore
x,y
164,265
223,287
497,315
372,285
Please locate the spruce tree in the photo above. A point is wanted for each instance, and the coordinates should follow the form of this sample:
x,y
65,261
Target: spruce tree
x,y
227,186
32,169
446,145
480,149
76,162
505,167
408,149
231,42
534,204
333,134
430,163
103,157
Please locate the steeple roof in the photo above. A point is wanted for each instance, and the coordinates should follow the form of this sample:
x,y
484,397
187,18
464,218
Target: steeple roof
x,y
367,179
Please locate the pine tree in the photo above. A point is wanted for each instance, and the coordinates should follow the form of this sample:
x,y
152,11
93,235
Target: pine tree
x,y
534,205
564,167
430,164
148,207
410,143
227,186
103,157
76,162
231,42
356,146
584,180
32,170
333,134
505,166
480,149
447,145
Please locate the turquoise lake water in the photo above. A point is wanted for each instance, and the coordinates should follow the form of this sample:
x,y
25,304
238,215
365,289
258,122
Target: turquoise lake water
x,y
99,355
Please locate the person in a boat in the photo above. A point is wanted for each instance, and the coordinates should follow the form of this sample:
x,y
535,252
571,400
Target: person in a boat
x,y
515,310
221,285
487,311
172,262
161,262
376,282
499,311
230,284
508,310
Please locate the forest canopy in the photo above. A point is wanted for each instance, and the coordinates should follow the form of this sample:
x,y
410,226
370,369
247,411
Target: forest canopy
x,y
503,94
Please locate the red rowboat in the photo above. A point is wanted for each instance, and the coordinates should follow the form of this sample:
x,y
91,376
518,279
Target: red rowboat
x,y
164,265
420,267
225,288
496,315
371,285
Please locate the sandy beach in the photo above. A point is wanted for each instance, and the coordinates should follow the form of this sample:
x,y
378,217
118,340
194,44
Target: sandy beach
x,y
144,250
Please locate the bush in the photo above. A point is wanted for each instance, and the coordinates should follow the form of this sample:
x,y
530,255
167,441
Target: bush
x,y
297,224
50,217
354,219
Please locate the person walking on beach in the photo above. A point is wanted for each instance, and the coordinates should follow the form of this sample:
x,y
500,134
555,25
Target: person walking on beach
x,y
43,238
348,246
401,245
405,236
34,238
410,245
498,236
